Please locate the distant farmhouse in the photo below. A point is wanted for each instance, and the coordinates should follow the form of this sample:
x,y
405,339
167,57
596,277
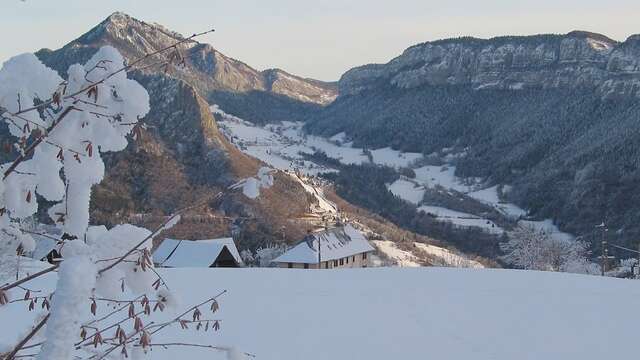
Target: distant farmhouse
x,y
197,253
341,247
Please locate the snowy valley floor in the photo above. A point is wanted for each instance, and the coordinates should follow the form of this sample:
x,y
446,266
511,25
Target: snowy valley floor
x,y
401,313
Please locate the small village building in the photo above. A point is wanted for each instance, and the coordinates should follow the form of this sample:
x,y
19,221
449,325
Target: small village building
x,y
197,253
340,247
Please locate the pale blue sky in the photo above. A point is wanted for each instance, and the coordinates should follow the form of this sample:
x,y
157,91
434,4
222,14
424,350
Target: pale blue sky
x,y
322,38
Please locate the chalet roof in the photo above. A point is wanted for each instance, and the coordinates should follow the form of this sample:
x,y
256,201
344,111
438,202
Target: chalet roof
x,y
193,253
335,243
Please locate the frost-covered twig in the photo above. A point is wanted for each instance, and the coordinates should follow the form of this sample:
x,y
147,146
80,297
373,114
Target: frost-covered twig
x,y
212,300
146,330
27,152
219,348
28,278
25,340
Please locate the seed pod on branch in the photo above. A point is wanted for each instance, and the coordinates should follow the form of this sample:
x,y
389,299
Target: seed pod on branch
x,y
94,307
89,149
45,304
97,339
196,314
145,340
132,310
120,335
137,324
156,284
93,92
214,306
159,306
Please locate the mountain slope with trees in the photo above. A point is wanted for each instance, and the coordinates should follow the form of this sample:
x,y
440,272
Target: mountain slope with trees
x,y
555,116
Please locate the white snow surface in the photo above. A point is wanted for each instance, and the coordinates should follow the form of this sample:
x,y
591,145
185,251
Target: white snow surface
x,y
392,313
448,257
394,158
335,243
444,176
432,176
407,190
281,145
251,186
401,258
192,253
324,204
461,219
490,196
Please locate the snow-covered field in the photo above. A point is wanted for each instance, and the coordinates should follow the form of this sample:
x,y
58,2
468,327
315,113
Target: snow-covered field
x,y
392,313
461,219
403,258
407,190
281,145
444,176
432,176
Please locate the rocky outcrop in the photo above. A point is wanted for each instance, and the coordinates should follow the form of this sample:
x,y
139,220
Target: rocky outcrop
x,y
295,87
575,60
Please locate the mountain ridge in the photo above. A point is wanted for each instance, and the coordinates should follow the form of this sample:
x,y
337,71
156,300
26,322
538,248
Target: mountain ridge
x,y
205,67
578,59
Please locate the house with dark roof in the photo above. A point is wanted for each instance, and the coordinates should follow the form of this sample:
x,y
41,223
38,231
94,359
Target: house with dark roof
x,y
197,253
340,247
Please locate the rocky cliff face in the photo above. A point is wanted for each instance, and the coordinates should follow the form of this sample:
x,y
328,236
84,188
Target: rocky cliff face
x,y
575,60
205,68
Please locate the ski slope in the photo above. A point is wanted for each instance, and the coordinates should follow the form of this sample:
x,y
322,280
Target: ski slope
x,y
395,313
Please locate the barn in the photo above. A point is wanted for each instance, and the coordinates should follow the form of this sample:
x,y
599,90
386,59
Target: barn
x,y
340,247
197,253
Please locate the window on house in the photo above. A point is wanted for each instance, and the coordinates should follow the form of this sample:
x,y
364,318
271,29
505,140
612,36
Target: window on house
x,y
341,262
306,266
353,258
335,262
326,265
347,258
364,256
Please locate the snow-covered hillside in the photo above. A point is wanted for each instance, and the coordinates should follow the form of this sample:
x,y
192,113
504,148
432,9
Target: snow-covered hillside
x,y
392,313
282,145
